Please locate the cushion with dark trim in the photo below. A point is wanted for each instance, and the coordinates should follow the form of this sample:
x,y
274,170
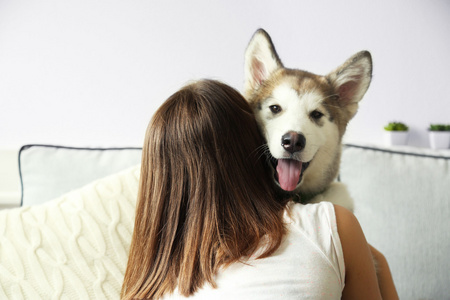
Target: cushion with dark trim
x,y
402,200
47,171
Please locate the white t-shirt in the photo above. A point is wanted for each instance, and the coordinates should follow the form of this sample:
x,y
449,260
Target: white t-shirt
x,y
309,264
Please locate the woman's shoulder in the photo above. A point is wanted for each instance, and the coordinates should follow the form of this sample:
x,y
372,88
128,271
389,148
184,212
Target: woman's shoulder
x,y
316,220
298,210
316,224
299,213
322,216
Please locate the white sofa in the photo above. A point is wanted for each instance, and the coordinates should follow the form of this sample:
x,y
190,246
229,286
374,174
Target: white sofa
x,y
402,200
75,246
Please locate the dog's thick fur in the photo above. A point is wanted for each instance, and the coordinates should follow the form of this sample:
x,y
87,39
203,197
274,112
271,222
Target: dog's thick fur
x,y
303,118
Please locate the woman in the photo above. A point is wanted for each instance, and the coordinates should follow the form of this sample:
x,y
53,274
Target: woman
x,y
209,226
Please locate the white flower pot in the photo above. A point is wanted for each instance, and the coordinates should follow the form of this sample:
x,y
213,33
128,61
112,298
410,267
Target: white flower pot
x,y
439,139
393,138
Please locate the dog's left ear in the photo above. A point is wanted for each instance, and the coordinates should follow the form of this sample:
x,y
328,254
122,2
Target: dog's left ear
x,y
352,79
261,60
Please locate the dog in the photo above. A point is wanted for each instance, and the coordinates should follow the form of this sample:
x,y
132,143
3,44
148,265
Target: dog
x,y
303,117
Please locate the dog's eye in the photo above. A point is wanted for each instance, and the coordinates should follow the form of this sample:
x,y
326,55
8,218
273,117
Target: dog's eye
x,y
316,115
275,109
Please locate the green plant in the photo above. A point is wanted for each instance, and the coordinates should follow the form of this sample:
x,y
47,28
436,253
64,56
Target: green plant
x,y
396,126
439,127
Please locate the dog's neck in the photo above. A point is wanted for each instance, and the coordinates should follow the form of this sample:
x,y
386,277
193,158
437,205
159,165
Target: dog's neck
x,y
306,198
299,197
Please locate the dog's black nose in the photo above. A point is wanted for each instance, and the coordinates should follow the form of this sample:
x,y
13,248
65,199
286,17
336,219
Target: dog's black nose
x,y
293,141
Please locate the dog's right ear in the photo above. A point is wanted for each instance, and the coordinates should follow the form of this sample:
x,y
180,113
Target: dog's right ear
x,y
261,60
352,79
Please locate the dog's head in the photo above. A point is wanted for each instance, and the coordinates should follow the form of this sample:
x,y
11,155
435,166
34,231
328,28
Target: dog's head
x,y
303,116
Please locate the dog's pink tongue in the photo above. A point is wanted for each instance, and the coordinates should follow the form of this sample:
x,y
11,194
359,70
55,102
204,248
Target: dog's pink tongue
x,y
289,173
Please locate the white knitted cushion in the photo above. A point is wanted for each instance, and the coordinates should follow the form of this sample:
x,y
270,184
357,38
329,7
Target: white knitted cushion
x,y
73,247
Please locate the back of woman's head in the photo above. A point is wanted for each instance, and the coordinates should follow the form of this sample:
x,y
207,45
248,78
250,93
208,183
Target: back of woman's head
x,y
205,199
207,129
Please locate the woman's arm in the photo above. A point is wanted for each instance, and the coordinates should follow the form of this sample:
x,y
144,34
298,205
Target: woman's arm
x,y
385,281
360,275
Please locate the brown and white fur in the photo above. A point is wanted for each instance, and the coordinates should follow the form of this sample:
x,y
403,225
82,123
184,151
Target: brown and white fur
x,y
303,118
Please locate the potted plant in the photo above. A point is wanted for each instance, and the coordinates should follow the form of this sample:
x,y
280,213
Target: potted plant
x,y
439,135
396,133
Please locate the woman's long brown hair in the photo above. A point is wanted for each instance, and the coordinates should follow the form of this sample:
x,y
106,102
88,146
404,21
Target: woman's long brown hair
x,y
205,199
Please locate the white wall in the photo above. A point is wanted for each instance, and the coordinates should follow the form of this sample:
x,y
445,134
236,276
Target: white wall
x,y
91,73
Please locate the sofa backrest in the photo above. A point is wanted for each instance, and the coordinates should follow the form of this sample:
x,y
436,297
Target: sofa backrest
x,y
48,171
402,200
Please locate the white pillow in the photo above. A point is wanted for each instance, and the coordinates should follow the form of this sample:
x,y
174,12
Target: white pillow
x,y
73,247
47,172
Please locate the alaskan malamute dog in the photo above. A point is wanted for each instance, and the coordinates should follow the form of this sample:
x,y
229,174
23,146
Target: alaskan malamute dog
x,y
303,117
